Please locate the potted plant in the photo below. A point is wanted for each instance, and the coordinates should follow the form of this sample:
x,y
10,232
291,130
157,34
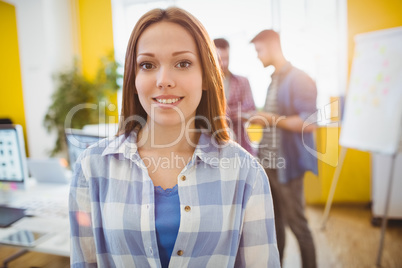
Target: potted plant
x,y
73,89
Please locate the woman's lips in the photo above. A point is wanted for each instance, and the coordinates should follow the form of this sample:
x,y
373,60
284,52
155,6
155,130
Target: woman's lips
x,y
167,101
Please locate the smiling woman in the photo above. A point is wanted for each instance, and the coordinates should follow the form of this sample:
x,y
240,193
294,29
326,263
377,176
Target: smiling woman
x,y
171,189
189,46
168,75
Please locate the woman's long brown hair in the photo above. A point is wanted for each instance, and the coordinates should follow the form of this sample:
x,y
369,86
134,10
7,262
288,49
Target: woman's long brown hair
x,y
212,105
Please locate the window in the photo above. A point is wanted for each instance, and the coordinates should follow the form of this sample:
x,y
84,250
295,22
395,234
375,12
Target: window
x,y
313,36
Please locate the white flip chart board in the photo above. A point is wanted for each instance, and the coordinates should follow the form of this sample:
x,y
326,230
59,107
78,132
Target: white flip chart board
x,y
373,108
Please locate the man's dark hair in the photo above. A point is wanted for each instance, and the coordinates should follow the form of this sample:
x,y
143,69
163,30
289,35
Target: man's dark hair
x,y
221,43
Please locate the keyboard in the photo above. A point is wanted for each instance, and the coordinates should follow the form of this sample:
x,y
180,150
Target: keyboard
x,y
44,207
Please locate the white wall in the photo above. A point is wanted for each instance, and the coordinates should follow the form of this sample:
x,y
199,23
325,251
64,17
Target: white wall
x,y
45,46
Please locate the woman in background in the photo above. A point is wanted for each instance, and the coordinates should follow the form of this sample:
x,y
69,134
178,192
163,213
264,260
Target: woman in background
x,y
171,189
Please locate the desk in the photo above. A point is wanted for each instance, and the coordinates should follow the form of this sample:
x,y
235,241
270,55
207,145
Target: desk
x,y
58,243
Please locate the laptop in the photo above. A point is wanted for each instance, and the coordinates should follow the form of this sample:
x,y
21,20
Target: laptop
x,y
48,170
9,215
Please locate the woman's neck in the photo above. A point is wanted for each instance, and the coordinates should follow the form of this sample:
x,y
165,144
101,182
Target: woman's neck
x,y
170,139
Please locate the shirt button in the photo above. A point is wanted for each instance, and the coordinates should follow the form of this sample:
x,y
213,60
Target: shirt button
x,y
183,178
187,208
151,251
180,252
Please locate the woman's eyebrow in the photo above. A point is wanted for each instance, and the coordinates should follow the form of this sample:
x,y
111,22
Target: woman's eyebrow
x,y
181,52
146,54
173,54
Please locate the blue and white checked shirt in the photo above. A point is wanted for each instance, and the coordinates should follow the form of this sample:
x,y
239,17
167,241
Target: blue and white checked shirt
x,y
226,217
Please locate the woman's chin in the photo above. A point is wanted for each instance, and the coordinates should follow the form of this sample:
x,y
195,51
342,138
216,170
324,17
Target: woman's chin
x,y
168,122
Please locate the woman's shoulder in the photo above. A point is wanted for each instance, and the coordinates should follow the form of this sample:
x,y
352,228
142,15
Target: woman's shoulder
x,y
108,144
223,149
96,157
238,162
235,152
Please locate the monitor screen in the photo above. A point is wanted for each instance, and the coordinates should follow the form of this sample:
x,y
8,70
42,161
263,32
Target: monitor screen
x,y
13,167
77,141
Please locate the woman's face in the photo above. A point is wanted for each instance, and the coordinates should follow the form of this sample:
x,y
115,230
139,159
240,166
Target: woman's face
x,y
169,74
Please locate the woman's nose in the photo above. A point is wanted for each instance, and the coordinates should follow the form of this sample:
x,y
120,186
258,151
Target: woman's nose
x,y
164,79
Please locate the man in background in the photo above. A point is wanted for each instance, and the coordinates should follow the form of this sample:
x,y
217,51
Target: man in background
x,y
290,101
239,97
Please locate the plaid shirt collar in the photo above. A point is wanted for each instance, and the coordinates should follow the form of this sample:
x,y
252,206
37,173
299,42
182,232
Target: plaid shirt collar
x,y
206,150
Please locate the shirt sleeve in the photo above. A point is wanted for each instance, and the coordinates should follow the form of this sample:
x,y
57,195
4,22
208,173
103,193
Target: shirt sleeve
x,y
258,246
248,100
83,253
304,92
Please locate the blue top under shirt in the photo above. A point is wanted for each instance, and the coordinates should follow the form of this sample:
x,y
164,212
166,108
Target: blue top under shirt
x,y
167,221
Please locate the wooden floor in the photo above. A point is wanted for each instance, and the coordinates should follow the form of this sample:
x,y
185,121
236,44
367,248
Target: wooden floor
x,y
33,259
348,241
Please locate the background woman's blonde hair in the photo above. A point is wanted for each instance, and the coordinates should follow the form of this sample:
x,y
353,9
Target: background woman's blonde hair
x,y
212,106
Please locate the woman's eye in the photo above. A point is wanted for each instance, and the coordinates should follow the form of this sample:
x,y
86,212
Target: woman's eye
x,y
183,64
146,66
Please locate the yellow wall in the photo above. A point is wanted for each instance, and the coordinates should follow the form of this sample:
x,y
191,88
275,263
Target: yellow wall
x,y
354,179
11,95
371,15
354,182
96,33
95,30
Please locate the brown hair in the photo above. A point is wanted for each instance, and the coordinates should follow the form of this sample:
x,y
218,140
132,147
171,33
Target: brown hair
x,y
212,105
221,43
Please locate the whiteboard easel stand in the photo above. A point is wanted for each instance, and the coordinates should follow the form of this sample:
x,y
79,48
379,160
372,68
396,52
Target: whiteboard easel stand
x,y
386,210
333,187
377,55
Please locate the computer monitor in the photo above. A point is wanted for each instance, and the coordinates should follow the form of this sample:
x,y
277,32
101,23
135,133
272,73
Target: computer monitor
x,y
77,141
13,162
